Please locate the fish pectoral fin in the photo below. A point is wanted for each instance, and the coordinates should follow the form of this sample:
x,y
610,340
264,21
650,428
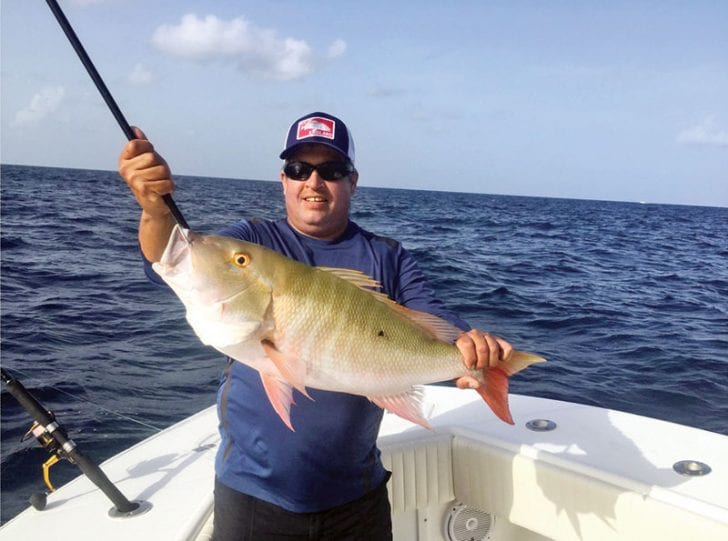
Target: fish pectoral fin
x,y
280,395
292,370
407,405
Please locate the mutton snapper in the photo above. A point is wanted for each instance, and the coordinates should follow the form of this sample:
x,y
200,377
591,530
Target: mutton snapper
x,y
301,326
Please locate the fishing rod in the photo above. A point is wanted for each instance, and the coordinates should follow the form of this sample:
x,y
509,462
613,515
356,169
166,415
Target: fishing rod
x,y
108,98
51,435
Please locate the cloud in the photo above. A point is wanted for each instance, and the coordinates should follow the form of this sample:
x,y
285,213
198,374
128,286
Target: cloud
x,y
42,104
706,133
337,49
140,75
256,50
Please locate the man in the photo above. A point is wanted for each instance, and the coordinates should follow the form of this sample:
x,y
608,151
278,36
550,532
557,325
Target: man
x,y
326,480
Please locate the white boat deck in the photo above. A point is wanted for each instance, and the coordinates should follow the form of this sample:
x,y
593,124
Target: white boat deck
x,y
172,470
600,474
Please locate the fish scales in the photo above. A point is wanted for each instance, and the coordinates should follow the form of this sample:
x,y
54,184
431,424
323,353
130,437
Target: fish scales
x,y
359,331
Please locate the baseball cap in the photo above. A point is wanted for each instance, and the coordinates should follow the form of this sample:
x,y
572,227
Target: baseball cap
x,y
320,128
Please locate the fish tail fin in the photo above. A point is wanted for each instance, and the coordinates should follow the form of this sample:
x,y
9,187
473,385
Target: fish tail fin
x,y
520,360
494,389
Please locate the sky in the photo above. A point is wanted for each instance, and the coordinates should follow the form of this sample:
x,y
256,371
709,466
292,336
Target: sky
x,y
620,100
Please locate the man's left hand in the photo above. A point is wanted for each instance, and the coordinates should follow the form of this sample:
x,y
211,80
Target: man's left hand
x,y
480,350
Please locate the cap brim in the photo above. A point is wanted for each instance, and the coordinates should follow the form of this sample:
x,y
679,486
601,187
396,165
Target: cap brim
x,y
290,150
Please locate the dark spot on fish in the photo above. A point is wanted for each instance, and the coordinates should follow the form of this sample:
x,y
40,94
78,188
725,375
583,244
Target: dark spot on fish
x,y
380,333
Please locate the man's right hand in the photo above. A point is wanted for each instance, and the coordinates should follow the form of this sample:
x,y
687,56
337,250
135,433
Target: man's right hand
x,y
149,178
147,175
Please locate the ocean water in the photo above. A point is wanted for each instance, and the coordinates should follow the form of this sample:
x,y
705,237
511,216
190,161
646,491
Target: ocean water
x,y
628,302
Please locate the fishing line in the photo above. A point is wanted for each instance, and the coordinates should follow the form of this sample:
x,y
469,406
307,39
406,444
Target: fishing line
x,y
104,91
28,377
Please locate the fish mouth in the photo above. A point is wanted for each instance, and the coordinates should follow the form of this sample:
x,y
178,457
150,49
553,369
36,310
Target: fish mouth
x,y
176,267
177,250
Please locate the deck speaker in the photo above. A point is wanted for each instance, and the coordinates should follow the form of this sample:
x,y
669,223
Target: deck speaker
x,y
463,523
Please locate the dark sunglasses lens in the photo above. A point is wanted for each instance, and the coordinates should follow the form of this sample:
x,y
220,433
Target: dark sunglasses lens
x,y
298,170
333,170
327,171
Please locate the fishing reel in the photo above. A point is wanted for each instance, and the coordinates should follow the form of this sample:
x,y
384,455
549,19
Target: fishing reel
x,y
54,439
46,440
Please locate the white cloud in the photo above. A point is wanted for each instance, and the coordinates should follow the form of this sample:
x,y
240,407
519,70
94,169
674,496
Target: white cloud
x,y
257,50
337,49
140,75
42,104
706,133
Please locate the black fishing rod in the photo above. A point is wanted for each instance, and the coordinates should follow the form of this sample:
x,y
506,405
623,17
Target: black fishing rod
x,y
54,438
108,98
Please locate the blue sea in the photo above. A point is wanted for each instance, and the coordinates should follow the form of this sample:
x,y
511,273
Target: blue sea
x,y
627,301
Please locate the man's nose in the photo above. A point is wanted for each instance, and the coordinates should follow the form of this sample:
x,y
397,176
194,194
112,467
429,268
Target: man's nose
x,y
314,179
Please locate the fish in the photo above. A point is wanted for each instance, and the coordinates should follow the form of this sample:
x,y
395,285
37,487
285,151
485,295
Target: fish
x,y
305,327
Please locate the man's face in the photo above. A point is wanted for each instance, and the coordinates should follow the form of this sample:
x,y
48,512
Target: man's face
x,y
315,207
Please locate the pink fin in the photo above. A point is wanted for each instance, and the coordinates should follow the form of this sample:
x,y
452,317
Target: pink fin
x,y
495,393
407,405
292,370
280,395
494,389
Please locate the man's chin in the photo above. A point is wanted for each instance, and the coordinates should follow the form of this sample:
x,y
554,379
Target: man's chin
x,y
319,228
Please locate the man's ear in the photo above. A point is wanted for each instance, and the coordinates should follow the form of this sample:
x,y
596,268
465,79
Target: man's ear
x,y
283,181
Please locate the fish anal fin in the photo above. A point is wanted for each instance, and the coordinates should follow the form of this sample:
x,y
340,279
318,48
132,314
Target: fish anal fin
x,y
292,370
407,405
280,395
494,390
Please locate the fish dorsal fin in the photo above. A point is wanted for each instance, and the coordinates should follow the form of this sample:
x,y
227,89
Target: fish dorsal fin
x,y
354,276
435,326
359,279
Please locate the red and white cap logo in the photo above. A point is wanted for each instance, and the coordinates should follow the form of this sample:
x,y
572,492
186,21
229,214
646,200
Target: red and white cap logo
x,y
316,126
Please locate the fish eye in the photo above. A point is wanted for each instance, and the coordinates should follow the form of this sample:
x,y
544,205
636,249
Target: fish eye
x,y
241,260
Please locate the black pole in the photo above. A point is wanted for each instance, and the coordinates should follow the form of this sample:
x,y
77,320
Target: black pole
x,y
47,420
108,98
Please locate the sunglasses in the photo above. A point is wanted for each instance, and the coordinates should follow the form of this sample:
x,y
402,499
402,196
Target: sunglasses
x,y
335,170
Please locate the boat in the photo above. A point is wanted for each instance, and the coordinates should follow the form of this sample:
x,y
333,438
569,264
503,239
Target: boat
x,y
564,471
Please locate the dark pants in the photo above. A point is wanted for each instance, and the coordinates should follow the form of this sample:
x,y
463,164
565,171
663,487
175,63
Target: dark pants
x,y
239,517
